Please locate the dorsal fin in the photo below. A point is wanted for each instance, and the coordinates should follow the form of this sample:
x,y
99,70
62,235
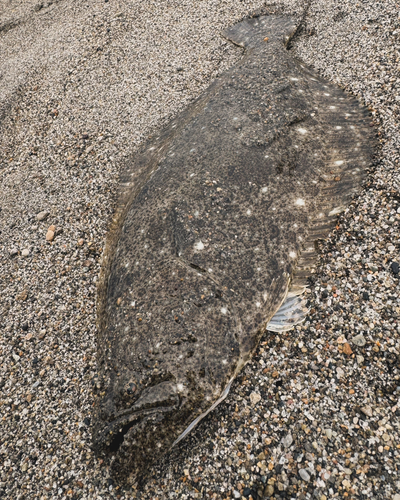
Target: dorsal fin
x,y
350,145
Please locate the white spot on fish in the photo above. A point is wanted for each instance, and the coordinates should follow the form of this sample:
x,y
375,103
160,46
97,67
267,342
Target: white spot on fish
x,y
302,130
199,245
300,202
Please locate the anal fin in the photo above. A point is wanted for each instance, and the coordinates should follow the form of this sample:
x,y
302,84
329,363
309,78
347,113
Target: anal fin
x,y
292,312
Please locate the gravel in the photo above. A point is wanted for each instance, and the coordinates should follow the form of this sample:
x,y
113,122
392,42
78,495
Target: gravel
x,y
316,412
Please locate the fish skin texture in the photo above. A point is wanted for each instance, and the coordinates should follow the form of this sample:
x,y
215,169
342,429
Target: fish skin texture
x,y
217,215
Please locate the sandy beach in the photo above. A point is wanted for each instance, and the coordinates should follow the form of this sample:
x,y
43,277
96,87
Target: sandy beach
x,y
316,414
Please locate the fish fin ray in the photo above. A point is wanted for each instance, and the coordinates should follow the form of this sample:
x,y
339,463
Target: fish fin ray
x,y
292,312
350,144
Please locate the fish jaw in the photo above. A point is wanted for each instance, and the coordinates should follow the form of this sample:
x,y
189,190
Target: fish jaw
x,y
138,436
131,435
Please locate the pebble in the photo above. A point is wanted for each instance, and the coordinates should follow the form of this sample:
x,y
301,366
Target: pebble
x,y
42,215
50,233
255,398
25,252
367,410
287,441
340,372
304,475
359,340
394,266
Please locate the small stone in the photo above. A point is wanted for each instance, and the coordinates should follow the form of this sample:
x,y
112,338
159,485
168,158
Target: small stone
x,y
28,336
276,374
347,349
394,266
328,433
50,235
29,398
186,472
287,441
22,296
367,410
42,334
13,252
236,494
359,340
255,398
24,467
25,252
42,215
396,496
391,248
339,372
386,437
269,490
360,359
81,241
304,474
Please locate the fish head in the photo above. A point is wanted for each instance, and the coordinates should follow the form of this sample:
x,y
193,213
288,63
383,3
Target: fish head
x,y
134,434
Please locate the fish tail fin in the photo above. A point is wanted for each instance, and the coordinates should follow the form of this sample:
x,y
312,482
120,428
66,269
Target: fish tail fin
x,y
251,32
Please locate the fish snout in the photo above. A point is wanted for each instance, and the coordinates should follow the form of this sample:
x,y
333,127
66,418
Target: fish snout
x,y
144,430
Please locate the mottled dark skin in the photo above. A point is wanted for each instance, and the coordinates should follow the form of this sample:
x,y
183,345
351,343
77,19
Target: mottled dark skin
x,y
216,214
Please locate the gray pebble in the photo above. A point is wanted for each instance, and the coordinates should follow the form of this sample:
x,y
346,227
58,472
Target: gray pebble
x,y
304,475
42,215
359,340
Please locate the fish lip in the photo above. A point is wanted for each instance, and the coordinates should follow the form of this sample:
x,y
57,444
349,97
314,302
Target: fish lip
x,y
117,428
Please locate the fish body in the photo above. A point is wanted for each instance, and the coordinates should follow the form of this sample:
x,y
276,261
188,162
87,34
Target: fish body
x,y
217,220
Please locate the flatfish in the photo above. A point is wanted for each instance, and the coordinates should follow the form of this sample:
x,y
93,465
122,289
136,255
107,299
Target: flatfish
x,y
213,239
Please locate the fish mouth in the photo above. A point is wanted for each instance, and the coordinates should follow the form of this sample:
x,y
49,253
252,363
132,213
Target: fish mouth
x,y
112,437
152,406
